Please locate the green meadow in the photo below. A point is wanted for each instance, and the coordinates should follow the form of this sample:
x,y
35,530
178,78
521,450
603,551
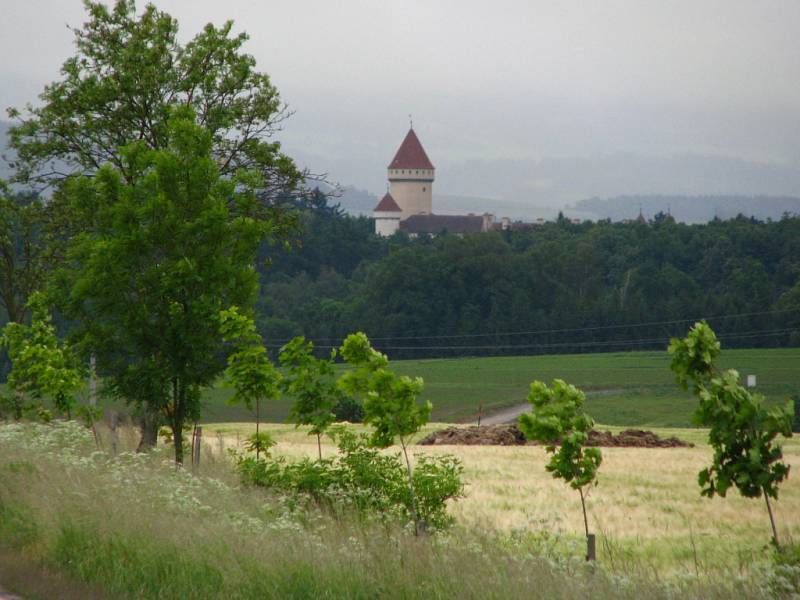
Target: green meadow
x,y
627,389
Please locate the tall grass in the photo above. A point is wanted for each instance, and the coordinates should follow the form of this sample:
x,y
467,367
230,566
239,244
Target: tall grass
x,y
134,526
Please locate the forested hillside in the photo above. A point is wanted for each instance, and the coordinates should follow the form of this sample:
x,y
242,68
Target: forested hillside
x,y
558,287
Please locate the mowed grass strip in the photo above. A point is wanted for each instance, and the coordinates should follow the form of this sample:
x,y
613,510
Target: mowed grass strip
x,y
628,389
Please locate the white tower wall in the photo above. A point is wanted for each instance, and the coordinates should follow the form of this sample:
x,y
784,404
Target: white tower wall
x,y
412,189
386,223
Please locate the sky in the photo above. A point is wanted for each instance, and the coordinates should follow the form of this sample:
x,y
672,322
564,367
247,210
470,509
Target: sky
x,y
511,87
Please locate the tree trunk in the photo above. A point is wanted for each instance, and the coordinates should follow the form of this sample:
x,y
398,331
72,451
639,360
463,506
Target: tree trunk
x,y
148,425
178,418
177,438
411,489
19,403
583,506
772,521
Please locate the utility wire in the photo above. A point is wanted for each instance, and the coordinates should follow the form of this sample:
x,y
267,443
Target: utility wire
x,y
605,343
566,330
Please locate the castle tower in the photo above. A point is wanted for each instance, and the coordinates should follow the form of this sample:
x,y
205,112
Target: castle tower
x,y
411,175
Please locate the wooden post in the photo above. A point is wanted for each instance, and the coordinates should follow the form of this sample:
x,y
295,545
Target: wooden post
x,y
480,413
114,435
197,441
590,547
92,381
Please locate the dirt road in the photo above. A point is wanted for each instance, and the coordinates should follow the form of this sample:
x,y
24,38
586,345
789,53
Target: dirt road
x,y
510,414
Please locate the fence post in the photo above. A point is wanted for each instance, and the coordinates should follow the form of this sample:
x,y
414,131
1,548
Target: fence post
x,y
114,435
197,440
590,547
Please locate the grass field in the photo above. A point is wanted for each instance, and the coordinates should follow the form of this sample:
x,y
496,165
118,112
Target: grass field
x,y
77,523
632,389
647,510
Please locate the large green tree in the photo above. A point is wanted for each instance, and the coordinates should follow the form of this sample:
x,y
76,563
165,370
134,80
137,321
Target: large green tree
x,y
128,71
162,252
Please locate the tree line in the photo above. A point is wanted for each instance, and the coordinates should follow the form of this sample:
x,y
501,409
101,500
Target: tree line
x,y
557,287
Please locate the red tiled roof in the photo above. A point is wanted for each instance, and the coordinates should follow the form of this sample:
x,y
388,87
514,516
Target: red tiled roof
x,y
411,154
436,224
387,204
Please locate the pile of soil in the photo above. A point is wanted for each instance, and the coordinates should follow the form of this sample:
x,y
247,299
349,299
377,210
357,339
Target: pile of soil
x,y
510,435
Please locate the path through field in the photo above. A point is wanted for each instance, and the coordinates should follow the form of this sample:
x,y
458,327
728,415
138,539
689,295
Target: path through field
x,y
510,414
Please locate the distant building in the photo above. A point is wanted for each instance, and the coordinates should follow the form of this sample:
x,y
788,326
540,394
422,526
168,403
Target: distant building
x,y
411,176
408,203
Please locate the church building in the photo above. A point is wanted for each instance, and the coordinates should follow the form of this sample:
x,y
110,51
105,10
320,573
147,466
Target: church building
x,y
408,203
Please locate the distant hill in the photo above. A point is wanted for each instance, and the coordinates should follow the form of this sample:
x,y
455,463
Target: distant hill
x,y
690,209
356,201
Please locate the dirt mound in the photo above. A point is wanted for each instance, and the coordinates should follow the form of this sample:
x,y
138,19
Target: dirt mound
x,y
510,435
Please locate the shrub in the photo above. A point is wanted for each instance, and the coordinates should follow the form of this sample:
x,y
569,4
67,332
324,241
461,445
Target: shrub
x,y
349,409
363,479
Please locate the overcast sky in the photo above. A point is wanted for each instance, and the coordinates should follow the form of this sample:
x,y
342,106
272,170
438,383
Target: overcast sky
x,y
486,81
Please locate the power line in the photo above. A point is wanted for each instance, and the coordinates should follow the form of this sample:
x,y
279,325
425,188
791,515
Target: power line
x,y
566,330
597,344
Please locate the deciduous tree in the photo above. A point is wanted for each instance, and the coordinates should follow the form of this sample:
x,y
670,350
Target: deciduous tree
x,y
41,366
250,371
311,382
22,255
390,401
128,71
557,420
742,430
163,251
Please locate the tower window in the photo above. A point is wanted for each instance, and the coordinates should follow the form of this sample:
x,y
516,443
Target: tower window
x,y
423,188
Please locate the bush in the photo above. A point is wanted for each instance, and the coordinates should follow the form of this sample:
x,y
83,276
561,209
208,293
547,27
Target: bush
x,y
349,409
365,480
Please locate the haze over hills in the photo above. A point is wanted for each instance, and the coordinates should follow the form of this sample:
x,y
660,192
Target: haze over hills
x,y
4,171
693,188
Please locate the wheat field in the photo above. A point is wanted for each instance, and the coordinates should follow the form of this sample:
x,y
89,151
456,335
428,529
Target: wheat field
x,y
646,509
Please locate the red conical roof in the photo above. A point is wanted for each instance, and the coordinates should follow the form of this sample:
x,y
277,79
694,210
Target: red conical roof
x,y
387,204
411,154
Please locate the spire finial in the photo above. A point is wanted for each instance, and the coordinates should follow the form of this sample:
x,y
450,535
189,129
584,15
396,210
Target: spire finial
x,y
410,121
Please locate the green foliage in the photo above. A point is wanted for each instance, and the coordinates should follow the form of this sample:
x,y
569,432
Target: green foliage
x,y
22,218
249,370
390,400
344,279
127,73
42,367
363,479
742,431
796,421
349,409
557,420
693,357
260,443
156,262
311,382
